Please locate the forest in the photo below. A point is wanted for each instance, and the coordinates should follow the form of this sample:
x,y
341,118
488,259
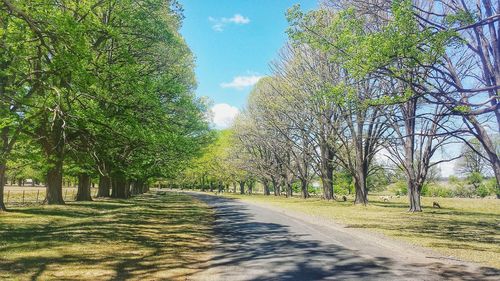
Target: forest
x,y
366,94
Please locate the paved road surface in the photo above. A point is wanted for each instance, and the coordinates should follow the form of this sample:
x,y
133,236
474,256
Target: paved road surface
x,y
256,243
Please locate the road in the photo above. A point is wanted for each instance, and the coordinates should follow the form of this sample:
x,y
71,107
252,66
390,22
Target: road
x,y
254,242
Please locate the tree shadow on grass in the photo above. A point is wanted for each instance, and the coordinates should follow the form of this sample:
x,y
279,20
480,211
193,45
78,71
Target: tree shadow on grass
x,y
149,237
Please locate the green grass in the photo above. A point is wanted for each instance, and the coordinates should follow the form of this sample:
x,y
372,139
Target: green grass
x,y
468,229
152,237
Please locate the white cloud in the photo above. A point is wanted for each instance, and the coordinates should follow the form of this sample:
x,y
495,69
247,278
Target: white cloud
x,y
241,82
218,24
238,19
223,115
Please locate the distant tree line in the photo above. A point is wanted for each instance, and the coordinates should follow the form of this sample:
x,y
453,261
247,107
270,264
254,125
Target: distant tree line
x,y
362,82
98,89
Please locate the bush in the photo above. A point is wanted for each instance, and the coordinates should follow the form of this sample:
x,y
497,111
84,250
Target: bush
x,y
434,190
343,184
400,188
483,191
462,190
453,180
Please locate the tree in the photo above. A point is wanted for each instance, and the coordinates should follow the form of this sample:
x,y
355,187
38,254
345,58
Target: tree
x,y
472,161
102,86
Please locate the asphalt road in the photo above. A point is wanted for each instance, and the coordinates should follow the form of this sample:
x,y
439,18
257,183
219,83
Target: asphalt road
x,y
254,242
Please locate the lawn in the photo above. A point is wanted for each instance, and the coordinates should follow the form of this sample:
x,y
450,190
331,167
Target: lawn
x,y
468,229
161,236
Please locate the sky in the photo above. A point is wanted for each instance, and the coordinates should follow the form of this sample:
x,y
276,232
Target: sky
x,y
233,42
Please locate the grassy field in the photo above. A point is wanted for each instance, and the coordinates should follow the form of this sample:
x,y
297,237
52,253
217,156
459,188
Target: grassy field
x,y
150,237
468,229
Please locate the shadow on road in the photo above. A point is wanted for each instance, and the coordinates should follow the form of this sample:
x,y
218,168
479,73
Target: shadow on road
x,y
251,246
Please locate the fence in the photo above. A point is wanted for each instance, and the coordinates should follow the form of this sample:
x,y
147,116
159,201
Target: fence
x,y
24,196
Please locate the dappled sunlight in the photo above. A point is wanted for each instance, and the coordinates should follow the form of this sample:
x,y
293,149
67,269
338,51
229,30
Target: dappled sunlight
x,y
155,236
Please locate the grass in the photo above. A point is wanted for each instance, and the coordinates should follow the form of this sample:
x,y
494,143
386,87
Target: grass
x,y
468,229
152,237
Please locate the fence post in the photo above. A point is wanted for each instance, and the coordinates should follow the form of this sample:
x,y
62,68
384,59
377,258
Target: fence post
x,y
37,193
8,194
65,193
23,197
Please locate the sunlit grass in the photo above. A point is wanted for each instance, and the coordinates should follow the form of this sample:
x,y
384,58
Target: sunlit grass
x,y
152,237
467,229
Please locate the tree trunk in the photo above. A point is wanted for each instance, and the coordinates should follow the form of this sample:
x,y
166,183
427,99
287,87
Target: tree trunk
x,y
303,187
119,187
250,187
360,188
104,184
265,182
2,185
496,170
211,186
289,191
234,187
327,171
54,193
203,183
242,187
83,193
414,196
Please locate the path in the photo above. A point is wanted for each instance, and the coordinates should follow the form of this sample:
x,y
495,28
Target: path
x,y
257,243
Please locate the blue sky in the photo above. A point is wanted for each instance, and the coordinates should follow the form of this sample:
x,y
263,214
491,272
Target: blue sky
x,y
233,42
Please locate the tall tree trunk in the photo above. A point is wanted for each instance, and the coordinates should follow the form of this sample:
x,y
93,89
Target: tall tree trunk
x,y
54,193
327,171
2,185
83,193
265,182
120,186
234,187
104,185
414,196
276,187
360,189
303,188
242,187
496,169
289,191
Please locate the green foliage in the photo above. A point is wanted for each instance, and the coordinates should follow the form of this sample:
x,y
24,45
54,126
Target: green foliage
x,y
378,180
483,190
475,179
106,87
400,188
343,184
436,190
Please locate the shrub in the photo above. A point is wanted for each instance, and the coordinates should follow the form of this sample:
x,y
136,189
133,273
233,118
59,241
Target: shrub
x,y
462,190
483,191
400,188
343,184
434,190
453,180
